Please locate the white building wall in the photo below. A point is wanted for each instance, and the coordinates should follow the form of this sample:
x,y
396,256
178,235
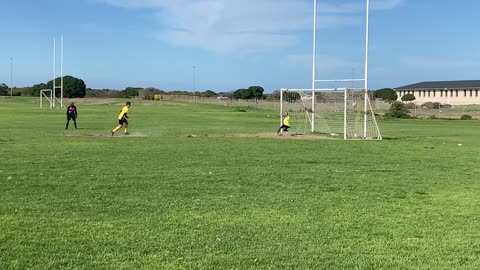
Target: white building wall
x,y
448,96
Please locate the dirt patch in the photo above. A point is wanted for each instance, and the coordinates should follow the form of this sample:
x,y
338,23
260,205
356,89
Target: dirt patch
x,y
102,135
284,136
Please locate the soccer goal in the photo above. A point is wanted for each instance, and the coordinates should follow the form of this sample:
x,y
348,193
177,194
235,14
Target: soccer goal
x,y
46,94
339,112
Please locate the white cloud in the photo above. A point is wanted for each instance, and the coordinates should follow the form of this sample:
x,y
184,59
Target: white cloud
x,y
385,4
246,25
428,63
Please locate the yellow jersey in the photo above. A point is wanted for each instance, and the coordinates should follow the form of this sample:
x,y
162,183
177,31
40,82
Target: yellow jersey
x,y
286,120
123,113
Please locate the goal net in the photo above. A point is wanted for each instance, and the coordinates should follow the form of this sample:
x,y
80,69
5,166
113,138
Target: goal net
x,y
342,112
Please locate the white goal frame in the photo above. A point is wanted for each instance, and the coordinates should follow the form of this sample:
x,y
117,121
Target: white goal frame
x,y
367,105
43,94
312,113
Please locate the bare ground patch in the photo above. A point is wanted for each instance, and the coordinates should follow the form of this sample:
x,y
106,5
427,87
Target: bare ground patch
x,y
285,136
118,135
271,135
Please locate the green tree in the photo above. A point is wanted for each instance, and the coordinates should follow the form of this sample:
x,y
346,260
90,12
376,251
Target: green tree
x,y
243,94
208,93
35,89
130,92
3,89
397,110
408,97
72,87
256,91
387,94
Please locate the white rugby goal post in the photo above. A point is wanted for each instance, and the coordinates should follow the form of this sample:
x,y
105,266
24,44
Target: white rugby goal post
x,y
335,112
53,97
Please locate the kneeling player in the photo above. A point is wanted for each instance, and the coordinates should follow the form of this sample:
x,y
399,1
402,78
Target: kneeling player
x,y
285,123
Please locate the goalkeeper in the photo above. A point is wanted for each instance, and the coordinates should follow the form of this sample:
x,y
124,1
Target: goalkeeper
x,y
285,123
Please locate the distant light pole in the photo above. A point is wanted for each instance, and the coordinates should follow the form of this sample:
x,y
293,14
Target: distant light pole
x,y
353,74
11,76
194,80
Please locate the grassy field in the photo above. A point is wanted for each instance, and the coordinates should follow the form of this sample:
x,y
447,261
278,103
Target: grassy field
x,y
187,191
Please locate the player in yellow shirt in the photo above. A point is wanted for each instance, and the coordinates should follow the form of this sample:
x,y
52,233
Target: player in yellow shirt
x,y
285,123
122,119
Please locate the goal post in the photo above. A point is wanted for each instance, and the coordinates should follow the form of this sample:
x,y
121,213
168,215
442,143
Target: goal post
x,y
343,112
55,98
48,95
335,111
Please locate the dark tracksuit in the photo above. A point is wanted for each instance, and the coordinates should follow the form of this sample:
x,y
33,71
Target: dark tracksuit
x,y
71,115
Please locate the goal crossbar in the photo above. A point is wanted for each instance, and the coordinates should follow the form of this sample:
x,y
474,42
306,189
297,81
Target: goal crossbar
x,y
342,80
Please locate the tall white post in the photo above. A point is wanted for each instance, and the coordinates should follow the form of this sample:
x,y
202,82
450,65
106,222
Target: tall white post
x,y
194,79
281,105
366,73
314,60
61,73
345,103
11,76
53,82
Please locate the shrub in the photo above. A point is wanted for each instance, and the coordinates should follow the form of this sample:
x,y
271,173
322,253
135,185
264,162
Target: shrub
x,y
409,106
466,117
408,97
397,110
427,105
431,105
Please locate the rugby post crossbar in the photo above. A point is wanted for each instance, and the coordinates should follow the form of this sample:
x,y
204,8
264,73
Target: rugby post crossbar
x,y
342,80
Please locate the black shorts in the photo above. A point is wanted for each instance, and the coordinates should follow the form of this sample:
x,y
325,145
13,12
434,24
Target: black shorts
x,y
71,117
122,121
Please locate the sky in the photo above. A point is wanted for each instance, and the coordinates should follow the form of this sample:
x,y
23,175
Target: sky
x,y
223,45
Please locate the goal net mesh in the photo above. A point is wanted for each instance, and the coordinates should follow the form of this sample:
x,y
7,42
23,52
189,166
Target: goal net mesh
x,y
332,112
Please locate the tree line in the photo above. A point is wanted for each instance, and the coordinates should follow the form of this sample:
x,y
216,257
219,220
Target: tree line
x,y
76,88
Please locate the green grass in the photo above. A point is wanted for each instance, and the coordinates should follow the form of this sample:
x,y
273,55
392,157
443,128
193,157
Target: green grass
x,y
173,201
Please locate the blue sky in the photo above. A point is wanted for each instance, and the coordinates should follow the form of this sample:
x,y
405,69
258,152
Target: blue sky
x,y
237,43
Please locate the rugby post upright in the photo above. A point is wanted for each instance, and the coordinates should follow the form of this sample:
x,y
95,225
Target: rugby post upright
x,y
54,98
365,113
54,86
314,56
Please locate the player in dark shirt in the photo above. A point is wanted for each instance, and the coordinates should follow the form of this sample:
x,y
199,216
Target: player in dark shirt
x,y
71,115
